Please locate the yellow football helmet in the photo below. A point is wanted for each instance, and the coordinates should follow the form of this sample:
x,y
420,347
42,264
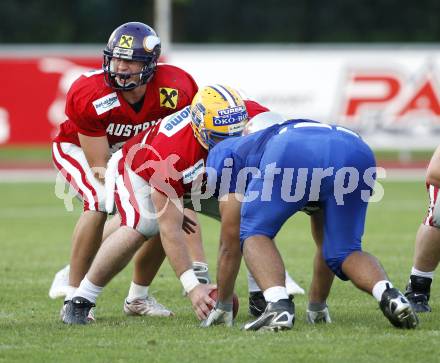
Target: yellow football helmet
x,y
217,112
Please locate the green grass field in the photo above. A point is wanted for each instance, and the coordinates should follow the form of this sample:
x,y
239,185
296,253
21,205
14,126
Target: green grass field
x,y
35,241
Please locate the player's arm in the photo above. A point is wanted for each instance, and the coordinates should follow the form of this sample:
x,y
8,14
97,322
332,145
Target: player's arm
x,y
322,278
229,257
170,218
433,172
97,152
228,263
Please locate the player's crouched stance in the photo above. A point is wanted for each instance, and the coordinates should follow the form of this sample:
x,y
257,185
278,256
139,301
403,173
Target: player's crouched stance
x,y
320,166
156,170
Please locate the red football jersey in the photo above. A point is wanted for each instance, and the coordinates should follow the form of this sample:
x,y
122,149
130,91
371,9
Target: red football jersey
x,y
168,156
95,109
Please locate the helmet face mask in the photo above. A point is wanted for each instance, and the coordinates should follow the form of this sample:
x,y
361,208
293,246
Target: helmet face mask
x,y
131,42
217,112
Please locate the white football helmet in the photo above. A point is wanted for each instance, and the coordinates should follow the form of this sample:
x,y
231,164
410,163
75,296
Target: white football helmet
x,y
262,121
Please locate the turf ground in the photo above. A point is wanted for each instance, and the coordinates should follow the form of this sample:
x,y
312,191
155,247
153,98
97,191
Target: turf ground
x,y
35,231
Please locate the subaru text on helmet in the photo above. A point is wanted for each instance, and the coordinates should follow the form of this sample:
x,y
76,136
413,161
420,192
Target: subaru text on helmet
x,y
217,112
131,42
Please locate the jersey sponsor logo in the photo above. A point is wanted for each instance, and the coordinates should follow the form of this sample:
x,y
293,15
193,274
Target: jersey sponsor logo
x,y
176,122
126,41
168,97
230,116
106,103
190,174
128,130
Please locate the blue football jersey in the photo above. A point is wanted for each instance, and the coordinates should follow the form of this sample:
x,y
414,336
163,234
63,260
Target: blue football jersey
x,y
231,162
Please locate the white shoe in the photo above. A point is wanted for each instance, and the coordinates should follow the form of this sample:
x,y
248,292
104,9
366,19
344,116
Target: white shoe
x,y
60,283
148,306
293,288
90,317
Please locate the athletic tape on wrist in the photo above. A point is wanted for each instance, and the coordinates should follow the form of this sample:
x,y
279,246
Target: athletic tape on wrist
x,y
189,280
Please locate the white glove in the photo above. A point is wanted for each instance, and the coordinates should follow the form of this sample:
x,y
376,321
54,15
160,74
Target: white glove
x,y
221,314
320,316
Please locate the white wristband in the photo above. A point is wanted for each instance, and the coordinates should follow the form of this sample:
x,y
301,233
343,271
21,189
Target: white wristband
x,y
189,280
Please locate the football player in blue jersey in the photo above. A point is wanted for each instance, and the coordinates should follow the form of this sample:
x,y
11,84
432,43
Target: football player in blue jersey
x,y
282,170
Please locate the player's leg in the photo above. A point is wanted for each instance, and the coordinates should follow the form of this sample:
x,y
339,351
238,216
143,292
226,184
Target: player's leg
x,y
114,254
260,252
70,160
257,303
87,237
138,221
111,225
60,284
265,263
343,229
322,278
426,256
196,250
147,262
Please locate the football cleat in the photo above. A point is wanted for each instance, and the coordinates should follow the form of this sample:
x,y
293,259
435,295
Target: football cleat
x,y
60,283
278,316
418,293
90,317
77,311
396,307
419,302
257,303
148,306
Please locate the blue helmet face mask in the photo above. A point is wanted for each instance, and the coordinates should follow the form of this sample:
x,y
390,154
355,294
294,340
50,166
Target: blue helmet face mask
x,y
131,42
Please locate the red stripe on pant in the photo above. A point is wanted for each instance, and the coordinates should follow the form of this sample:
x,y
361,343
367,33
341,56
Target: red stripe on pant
x,y
75,164
132,198
432,189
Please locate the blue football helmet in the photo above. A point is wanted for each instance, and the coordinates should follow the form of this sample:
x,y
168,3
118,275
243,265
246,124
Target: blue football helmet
x,y
133,42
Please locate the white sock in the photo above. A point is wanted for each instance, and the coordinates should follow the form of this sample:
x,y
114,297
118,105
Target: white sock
x,y
137,292
70,292
416,272
88,290
252,284
275,293
379,288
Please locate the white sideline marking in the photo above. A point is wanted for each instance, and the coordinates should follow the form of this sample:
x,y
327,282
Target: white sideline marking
x,y
27,176
27,212
49,175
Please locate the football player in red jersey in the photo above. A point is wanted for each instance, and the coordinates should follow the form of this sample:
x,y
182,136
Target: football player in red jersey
x,y
105,108
156,171
427,244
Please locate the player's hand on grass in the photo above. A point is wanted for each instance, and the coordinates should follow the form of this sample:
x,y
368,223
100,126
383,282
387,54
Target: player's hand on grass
x,y
221,314
201,301
318,316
